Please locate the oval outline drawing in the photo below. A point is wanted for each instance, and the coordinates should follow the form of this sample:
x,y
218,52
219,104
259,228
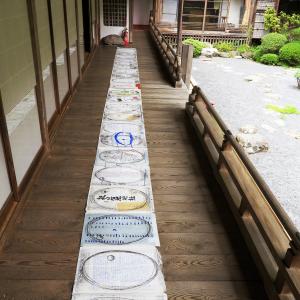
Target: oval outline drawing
x,y
144,195
141,173
140,156
130,217
89,279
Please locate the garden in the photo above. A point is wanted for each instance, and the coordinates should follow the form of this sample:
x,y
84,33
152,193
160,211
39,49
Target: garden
x,y
256,94
279,47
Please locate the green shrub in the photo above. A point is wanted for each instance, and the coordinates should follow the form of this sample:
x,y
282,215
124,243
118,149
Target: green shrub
x,y
257,53
244,48
295,34
198,46
269,59
290,54
272,42
225,46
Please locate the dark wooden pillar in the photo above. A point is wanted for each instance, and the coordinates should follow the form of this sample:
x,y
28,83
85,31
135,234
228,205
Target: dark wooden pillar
x,y
179,27
7,153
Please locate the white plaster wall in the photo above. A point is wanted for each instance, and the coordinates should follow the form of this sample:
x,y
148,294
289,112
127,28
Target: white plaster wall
x,y
4,181
234,12
141,11
106,30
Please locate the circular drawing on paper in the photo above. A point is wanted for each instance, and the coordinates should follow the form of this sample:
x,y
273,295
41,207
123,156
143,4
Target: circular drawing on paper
x,y
120,175
117,230
121,139
114,116
125,108
121,156
119,198
122,127
128,270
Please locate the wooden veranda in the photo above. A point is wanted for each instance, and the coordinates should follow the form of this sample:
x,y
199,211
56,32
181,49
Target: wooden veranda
x,y
203,252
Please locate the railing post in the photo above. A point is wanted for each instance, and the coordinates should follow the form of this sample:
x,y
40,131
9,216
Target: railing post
x,y
186,64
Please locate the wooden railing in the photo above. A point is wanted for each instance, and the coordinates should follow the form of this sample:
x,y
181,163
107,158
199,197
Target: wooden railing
x,y
168,54
237,39
272,239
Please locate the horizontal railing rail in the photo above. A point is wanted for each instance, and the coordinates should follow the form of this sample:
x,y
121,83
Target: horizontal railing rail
x,y
271,236
168,54
236,38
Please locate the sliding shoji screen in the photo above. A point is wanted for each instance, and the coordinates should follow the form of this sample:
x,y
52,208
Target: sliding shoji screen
x,y
72,33
81,38
57,11
17,84
46,55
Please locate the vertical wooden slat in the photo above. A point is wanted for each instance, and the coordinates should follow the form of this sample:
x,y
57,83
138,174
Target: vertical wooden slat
x,y
179,27
7,152
68,46
78,39
130,21
53,65
40,97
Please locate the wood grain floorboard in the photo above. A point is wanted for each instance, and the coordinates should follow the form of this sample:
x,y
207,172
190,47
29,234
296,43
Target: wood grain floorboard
x,y
203,253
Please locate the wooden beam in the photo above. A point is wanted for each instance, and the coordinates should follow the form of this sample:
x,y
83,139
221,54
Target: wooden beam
x,y
53,65
8,153
179,27
39,88
68,46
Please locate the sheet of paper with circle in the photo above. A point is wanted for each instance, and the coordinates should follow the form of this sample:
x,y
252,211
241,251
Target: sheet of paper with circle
x,y
130,114
120,229
121,175
122,135
110,156
119,199
120,296
106,270
130,107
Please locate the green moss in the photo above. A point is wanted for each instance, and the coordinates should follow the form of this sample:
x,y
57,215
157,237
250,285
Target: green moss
x,y
286,110
197,46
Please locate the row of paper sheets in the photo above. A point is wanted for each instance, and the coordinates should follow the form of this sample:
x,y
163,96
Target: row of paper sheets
x,y
118,258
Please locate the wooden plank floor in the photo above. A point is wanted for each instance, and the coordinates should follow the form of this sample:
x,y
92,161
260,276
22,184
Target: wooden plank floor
x,y
203,253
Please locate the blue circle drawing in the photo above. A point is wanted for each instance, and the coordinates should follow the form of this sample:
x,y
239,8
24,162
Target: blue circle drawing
x,y
124,138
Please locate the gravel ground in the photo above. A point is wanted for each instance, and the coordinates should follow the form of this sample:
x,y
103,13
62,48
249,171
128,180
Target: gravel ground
x,y
241,102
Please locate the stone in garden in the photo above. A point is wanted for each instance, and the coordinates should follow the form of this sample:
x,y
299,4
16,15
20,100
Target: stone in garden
x,y
248,129
113,39
209,52
252,143
238,57
252,78
247,55
224,54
